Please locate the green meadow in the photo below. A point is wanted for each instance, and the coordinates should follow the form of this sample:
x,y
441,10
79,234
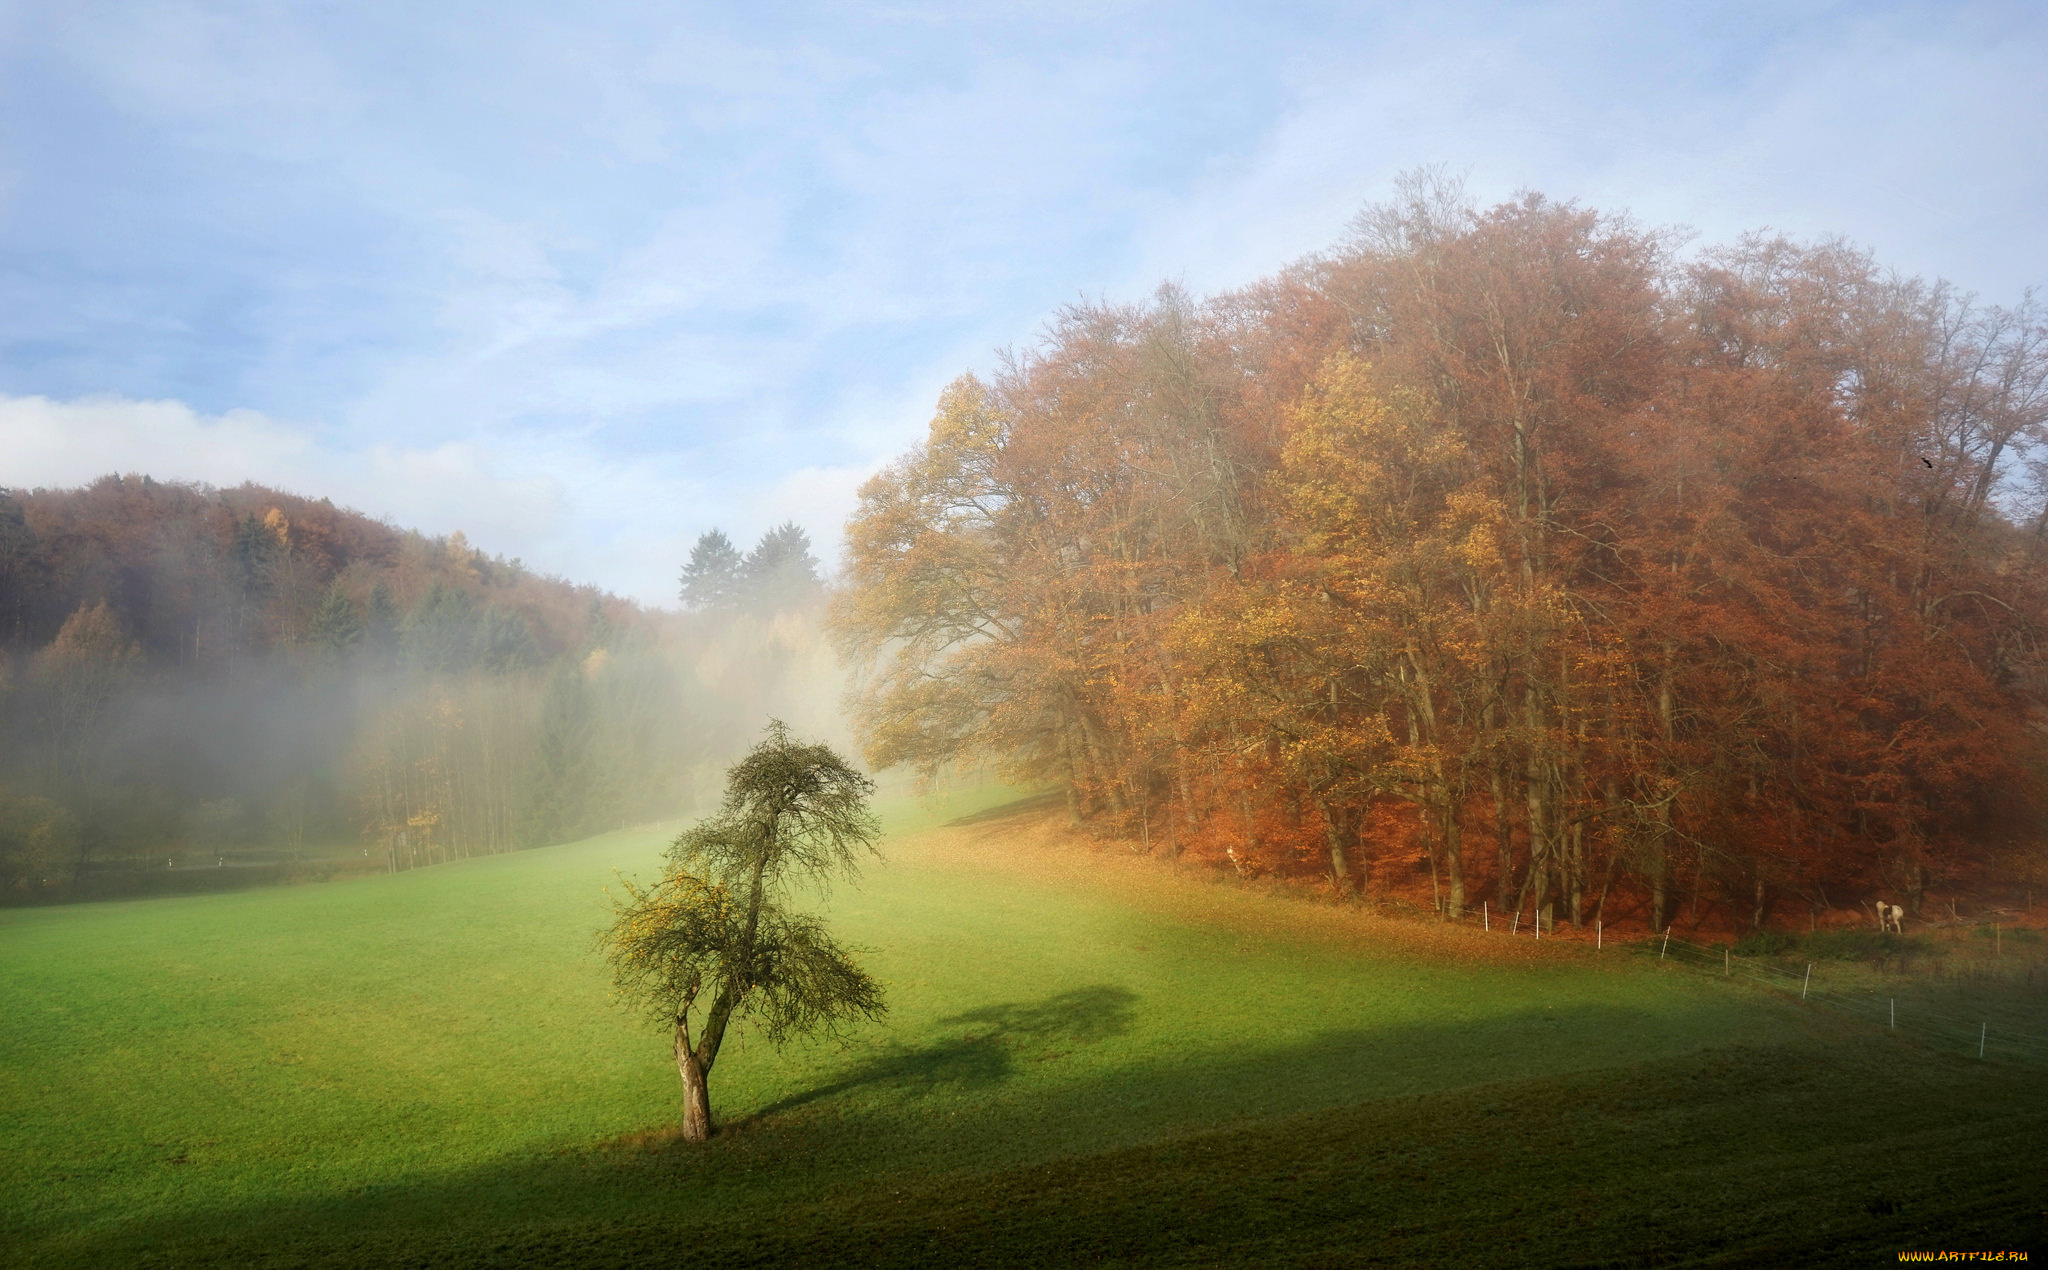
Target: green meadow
x,y
1089,1059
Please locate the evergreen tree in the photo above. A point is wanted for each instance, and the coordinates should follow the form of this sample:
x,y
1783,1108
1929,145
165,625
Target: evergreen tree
x,y
505,642
253,556
441,633
336,628
380,626
255,549
712,578
780,571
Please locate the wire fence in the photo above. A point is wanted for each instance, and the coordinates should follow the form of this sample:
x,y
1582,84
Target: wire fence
x,y
1900,1008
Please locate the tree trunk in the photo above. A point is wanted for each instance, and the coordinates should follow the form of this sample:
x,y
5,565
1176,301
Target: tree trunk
x,y
1102,763
1504,836
1454,856
1538,880
696,1088
1536,790
1340,868
694,1063
1656,868
1073,778
1577,874
1667,712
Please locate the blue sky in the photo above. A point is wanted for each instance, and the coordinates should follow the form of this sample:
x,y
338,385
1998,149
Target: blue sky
x,y
584,281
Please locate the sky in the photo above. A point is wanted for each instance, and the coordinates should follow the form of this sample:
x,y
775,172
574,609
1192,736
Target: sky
x,y
584,281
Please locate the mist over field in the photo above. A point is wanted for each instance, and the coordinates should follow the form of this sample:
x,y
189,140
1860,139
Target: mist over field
x,y
203,687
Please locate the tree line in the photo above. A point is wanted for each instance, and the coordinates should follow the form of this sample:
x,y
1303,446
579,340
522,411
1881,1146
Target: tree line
x,y
1509,546
201,677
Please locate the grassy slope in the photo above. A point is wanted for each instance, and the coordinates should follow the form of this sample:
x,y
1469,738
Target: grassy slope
x,y
1086,1060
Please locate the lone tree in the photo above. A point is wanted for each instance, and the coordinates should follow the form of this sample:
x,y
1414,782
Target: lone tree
x,y
716,928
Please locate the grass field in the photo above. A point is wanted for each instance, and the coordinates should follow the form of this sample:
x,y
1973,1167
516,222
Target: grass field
x,y
1090,1059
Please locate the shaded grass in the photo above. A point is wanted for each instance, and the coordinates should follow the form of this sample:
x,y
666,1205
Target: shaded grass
x,y
1832,945
1741,1156
1995,1007
1084,1062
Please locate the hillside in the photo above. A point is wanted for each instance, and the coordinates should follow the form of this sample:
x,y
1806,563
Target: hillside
x,y
204,687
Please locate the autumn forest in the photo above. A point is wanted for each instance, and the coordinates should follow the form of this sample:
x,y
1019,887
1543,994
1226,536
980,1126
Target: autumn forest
x,y
1523,555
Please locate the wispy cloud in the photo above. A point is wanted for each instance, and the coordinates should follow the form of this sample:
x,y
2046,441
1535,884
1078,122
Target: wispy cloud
x,y
587,284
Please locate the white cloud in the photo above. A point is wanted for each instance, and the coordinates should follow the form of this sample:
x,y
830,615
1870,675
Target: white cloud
x,y
59,443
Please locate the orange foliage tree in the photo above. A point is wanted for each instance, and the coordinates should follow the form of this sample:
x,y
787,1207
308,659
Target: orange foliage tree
x,y
1582,574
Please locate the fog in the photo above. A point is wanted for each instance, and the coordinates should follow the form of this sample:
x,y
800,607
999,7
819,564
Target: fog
x,y
255,687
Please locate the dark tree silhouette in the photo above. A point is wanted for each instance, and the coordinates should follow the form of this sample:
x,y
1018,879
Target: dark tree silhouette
x,y
711,580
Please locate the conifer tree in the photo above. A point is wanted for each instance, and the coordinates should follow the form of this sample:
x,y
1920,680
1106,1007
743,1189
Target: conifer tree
x,y
336,628
711,580
780,571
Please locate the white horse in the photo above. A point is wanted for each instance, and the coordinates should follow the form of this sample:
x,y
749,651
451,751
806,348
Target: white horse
x,y
1890,917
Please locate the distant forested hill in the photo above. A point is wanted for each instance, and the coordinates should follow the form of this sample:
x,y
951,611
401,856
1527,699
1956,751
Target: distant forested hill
x,y
243,679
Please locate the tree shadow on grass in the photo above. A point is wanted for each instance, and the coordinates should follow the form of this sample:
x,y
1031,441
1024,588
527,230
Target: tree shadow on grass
x,y
979,1048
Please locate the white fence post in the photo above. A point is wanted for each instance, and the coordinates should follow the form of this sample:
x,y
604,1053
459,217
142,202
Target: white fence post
x,y
1667,944
1805,981
1599,934
1895,1014
1983,1031
1486,914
